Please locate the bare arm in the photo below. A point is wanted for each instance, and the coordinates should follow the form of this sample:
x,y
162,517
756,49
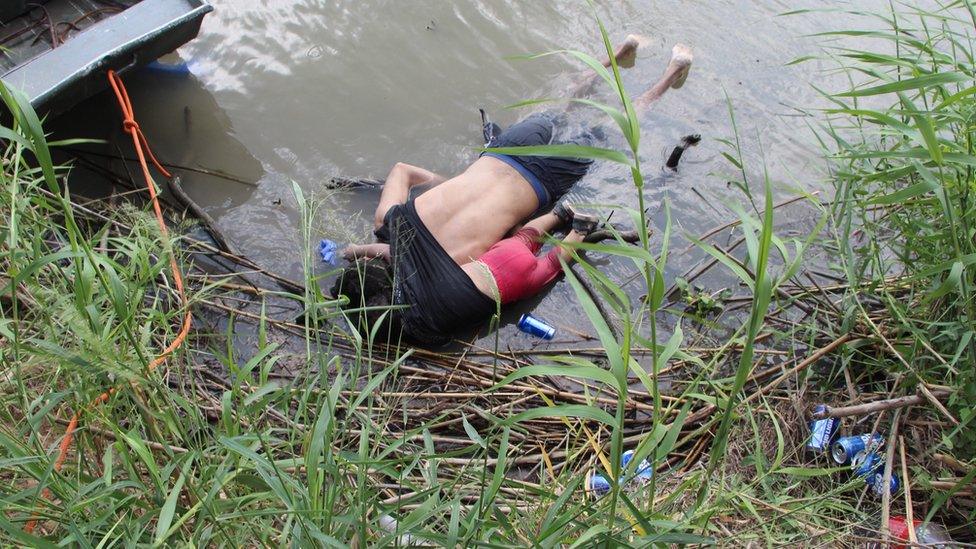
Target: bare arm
x,y
419,176
401,179
366,251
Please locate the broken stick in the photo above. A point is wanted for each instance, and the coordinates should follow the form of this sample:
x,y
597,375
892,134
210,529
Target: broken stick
x,y
876,406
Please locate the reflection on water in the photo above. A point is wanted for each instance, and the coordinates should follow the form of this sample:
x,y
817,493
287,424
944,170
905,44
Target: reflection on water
x,y
302,90
185,127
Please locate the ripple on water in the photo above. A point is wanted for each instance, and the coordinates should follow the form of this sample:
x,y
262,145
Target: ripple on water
x,y
312,89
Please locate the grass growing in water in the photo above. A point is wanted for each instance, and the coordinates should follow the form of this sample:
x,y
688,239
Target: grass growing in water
x,y
328,446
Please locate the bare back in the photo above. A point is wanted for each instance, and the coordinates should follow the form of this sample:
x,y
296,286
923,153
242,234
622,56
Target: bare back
x,y
469,213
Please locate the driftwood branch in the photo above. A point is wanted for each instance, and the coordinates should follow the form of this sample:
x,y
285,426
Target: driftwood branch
x,y
176,186
600,235
876,406
339,182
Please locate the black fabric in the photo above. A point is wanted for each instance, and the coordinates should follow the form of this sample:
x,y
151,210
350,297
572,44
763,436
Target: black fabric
x,y
557,175
440,297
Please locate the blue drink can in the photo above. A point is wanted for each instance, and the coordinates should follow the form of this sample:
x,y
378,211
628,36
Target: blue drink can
x,y
865,464
876,482
822,431
847,447
597,485
532,325
644,471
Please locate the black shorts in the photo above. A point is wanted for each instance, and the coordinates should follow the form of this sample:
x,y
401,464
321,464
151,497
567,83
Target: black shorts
x,y
439,297
550,177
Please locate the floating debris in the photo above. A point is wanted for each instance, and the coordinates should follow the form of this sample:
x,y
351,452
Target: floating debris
x,y
686,142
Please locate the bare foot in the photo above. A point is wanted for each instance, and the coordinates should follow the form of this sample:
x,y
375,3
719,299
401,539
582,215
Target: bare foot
x,y
626,54
681,58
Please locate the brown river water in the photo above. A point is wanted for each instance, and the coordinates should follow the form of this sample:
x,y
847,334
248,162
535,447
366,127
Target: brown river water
x,y
301,91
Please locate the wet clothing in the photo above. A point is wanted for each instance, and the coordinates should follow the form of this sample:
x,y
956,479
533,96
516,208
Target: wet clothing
x,y
550,177
518,273
440,298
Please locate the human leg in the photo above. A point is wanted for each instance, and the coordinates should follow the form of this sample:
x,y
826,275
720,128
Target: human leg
x,y
566,252
545,223
674,77
583,224
625,56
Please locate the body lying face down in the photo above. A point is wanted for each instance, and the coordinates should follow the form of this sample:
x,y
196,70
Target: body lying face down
x,y
448,259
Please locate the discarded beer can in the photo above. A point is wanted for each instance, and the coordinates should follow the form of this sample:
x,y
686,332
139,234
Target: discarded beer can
x,y
597,485
822,431
644,471
532,325
876,482
847,447
866,463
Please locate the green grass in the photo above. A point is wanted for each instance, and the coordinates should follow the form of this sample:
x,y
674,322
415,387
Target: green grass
x,y
347,439
905,187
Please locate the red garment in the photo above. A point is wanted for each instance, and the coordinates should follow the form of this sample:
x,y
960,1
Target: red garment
x,y
518,272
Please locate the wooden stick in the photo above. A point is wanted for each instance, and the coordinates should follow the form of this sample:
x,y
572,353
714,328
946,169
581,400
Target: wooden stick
x,y
953,463
803,364
340,182
909,512
872,407
176,186
886,481
204,171
935,402
606,234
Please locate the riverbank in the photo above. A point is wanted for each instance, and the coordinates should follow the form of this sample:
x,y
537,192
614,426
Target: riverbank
x,y
274,424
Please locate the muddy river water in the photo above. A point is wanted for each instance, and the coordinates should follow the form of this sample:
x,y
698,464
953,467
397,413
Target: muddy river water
x,y
302,90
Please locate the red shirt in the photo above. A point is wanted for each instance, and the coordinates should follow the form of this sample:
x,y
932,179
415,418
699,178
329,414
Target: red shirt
x,y
518,272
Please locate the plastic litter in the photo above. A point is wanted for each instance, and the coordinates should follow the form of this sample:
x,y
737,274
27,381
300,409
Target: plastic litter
x,y
168,68
931,534
329,251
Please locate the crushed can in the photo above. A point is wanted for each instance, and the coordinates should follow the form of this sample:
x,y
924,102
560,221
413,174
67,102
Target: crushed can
x,y
866,463
596,485
644,471
822,431
876,482
534,326
844,450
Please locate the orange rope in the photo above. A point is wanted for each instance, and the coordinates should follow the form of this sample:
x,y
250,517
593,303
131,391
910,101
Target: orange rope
x,y
141,145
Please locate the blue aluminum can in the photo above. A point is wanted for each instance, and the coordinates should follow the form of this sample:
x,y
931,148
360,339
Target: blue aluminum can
x,y
532,325
865,464
822,431
876,482
644,471
847,447
597,485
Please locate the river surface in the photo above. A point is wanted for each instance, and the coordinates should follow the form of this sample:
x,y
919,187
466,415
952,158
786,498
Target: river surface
x,y
295,92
